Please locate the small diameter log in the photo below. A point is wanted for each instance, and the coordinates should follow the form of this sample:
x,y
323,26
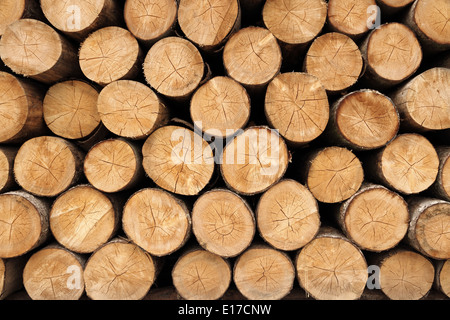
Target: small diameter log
x,y
392,54
209,24
390,7
150,20
7,156
223,223
54,273
442,277
34,49
264,273
333,174
296,104
287,215
11,275
423,102
363,120
252,57
174,68
23,223
156,221
119,270
409,164
178,160
83,218
404,274
131,109
429,20
20,109
375,218
352,18
331,267
429,229
47,166
220,107
78,18
441,187
335,60
254,160
201,275
70,109
110,54
114,165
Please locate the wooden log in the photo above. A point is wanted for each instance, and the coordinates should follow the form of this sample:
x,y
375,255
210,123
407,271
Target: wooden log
x,y
392,54
223,223
404,274
296,104
201,275
131,109
157,221
70,109
441,187
54,273
252,57
287,215
114,165
375,218
20,109
429,227
13,10
178,160
119,270
110,54
331,267
24,223
174,68
391,7
409,164
77,19
220,107
83,218
429,20
150,20
363,120
254,160
264,273
335,60
34,49
424,112
7,156
209,24
47,166
442,276
11,275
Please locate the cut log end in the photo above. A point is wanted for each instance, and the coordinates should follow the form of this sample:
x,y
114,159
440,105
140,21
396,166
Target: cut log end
x,y
296,104
444,278
431,18
7,156
10,11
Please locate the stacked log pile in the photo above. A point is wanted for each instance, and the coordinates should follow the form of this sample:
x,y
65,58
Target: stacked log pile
x,y
224,149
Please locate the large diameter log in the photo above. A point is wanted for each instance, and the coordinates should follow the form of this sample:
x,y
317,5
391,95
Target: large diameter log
x,y
264,273
178,160
441,187
209,24
131,109
375,218
331,267
442,277
254,160
47,166
13,10
296,104
223,223
150,20
11,279
83,218
34,49
7,156
110,54
119,270
201,275
156,221
24,223
78,18
392,54
287,215
363,120
423,102
54,273
335,60
429,228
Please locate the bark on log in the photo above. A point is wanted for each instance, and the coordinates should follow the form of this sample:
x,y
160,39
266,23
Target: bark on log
x,y
441,187
11,279
7,156
442,276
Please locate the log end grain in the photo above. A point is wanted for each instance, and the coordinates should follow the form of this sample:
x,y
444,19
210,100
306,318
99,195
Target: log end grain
x,y
444,278
10,11
431,18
